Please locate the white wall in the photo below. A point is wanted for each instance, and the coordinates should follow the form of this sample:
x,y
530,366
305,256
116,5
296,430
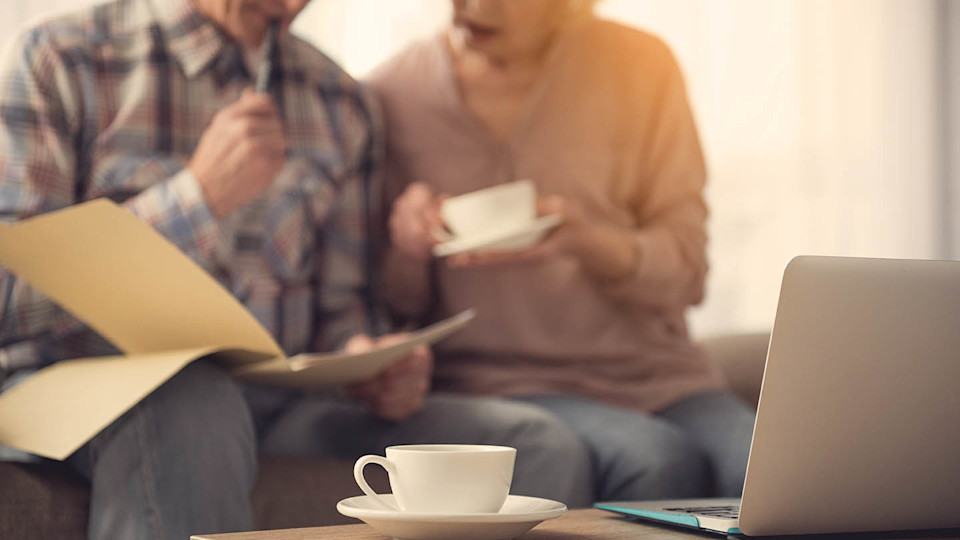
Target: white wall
x,y
821,131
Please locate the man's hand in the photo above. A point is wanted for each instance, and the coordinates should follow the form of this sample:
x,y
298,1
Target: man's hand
x,y
240,153
414,220
398,392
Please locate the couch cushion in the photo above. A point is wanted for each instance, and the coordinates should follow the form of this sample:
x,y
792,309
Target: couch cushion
x,y
48,500
741,357
42,500
303,492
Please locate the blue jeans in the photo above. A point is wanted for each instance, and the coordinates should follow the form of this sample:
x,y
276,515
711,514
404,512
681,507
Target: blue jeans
x,y
183,461
695,448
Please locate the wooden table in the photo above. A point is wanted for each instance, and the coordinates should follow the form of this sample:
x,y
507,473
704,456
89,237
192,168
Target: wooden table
x,y
575,525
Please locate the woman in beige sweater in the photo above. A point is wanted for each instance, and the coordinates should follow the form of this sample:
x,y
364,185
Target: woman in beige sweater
x,y
589,324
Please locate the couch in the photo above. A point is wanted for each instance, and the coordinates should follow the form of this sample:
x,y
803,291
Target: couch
x,y
45,500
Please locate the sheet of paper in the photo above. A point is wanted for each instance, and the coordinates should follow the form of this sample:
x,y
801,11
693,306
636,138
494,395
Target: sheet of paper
x,y
55,411
125,280
323,370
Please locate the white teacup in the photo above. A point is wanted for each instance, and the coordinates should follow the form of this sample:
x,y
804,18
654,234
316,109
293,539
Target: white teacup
x,y
444,478
502,207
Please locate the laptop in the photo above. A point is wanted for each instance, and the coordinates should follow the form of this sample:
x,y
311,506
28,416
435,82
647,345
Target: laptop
x,y
858,425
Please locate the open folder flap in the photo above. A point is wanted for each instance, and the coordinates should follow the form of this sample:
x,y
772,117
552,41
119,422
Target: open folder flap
x,y
126,281
115,273
58,409
323,370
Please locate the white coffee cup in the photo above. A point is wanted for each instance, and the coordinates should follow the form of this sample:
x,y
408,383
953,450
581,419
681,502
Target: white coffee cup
x,y
443,478
501,207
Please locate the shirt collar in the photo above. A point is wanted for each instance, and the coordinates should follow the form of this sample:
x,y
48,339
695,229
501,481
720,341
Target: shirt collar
x,y
192,39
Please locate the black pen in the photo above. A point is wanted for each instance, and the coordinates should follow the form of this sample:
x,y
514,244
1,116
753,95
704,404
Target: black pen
x,y
266,65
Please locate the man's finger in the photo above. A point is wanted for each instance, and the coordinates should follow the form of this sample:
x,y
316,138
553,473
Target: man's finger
x,y
252,104
399,369
359,343
417,362
258,146
366,391
271,131
392,339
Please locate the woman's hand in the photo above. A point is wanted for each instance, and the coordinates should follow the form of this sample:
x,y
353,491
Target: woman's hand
x,y
397,392
560,240
605,251
414,221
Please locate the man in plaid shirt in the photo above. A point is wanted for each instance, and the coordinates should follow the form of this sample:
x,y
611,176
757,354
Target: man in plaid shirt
x,y
148,102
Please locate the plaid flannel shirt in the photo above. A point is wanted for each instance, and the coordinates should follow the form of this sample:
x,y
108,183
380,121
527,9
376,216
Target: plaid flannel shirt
x,y
111,102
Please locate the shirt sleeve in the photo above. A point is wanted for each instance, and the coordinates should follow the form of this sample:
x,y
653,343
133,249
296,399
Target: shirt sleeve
x,y
39,103
41,99
176,207
669,207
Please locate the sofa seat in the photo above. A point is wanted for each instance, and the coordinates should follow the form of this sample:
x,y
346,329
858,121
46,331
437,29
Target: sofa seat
x,y
47,500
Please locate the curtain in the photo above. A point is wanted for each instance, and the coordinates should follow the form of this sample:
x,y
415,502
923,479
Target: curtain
x,y
829,127
821,127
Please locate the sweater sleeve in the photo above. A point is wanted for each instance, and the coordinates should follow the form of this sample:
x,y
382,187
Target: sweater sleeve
x,y
669,207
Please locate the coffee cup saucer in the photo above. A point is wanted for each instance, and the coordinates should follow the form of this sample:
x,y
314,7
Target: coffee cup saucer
x,y
518,515
513,239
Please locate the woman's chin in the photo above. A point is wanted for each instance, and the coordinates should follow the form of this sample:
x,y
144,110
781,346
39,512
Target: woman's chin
x,y
481,42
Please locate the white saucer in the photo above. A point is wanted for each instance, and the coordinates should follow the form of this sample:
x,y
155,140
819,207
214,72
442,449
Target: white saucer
x,y
502,240
518,515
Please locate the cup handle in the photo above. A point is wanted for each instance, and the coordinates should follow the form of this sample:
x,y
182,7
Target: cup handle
x,y
362,482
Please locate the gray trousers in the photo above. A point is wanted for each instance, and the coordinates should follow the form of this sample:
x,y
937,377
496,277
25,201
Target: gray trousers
x,y
184,460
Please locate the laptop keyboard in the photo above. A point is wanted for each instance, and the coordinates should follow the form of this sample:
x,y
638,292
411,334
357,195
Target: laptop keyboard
x,y
727,511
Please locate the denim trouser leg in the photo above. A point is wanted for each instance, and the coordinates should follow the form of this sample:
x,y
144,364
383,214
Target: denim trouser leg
x,y
181,462
640,456
552,462
722,426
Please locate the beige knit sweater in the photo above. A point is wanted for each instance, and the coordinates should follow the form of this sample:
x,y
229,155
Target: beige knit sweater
x,y
607,124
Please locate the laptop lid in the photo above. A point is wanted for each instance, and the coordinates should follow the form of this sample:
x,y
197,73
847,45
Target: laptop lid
x,y
858,426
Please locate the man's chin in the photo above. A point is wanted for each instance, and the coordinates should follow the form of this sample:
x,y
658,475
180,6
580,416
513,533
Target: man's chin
x,y
254,33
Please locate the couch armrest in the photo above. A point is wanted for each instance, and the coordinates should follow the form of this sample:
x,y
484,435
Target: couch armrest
x,y
741,357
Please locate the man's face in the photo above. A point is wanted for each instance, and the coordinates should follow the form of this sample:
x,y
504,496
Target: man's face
x,y
247,20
